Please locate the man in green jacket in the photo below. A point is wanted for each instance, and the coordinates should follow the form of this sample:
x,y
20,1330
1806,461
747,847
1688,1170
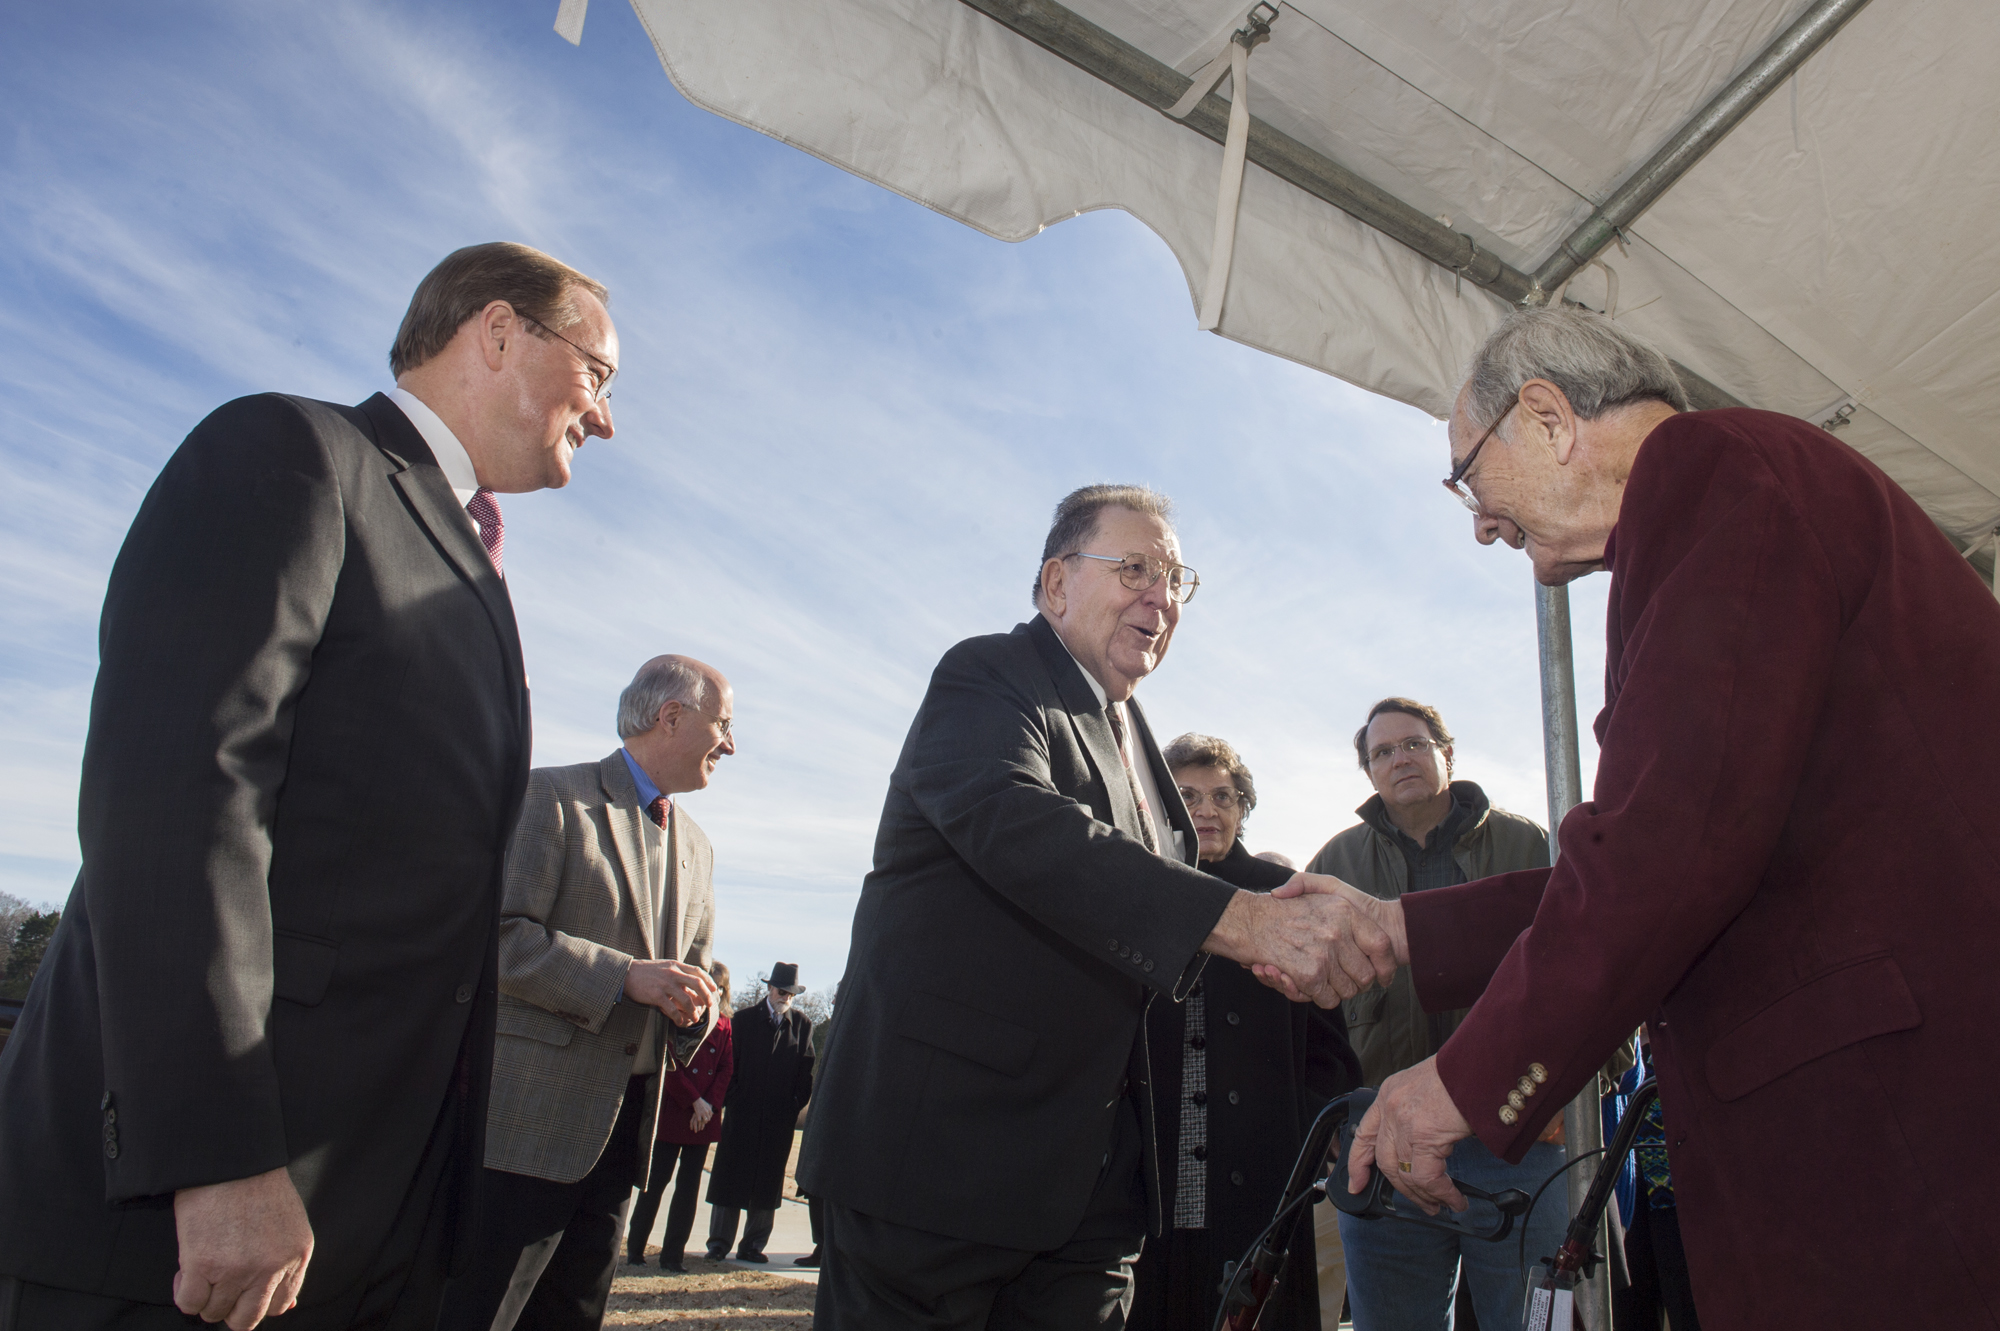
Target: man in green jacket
x,y
1420,830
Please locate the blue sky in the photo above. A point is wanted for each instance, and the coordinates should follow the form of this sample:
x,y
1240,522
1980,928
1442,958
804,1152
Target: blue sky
x,y
842,421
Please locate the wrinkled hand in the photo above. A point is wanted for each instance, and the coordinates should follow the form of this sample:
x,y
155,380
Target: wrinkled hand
x,y
1413,1121
703,1112
244,1246
1370,946
681,991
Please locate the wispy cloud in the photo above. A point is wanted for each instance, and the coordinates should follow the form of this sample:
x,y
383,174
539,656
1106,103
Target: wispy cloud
x,y
843,421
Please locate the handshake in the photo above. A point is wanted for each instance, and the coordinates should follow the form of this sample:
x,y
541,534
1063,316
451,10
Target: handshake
x,y
1314,939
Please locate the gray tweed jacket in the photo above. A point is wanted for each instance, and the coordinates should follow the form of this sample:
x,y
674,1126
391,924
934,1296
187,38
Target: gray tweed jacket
x,y
582,873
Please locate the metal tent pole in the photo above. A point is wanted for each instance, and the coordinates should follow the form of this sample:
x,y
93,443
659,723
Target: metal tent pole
x,y
1582,1125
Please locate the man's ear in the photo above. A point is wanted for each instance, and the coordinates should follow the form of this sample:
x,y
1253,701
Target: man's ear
x,y
1548,408
1055,587
498,325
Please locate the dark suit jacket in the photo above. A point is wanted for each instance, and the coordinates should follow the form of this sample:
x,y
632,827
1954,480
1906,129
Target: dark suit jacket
x,y
308,740
1005,947
1790,870
772,1081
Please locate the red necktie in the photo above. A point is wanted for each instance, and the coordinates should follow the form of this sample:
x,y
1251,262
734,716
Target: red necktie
x,y
657,811
484,509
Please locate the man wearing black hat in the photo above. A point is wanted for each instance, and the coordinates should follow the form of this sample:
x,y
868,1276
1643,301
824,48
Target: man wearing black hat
x,y
772,1082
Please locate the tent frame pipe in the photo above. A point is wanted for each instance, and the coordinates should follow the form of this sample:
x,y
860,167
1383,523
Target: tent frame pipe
x,y
1708,126
1099,53
1583,1128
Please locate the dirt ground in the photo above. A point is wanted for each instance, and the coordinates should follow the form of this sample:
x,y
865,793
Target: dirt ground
x,y
711,1297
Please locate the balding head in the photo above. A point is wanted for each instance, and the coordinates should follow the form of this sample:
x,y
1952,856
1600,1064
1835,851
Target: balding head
x,y
675,718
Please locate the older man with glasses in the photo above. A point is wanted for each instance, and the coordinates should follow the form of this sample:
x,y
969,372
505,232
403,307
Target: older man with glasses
x,y
1421,830
984,1138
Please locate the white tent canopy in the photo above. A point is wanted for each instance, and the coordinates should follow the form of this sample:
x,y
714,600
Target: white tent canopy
x,y
1827,258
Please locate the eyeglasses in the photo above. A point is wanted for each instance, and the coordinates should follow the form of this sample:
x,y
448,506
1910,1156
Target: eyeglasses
x,y
721,723
1416,746
602,372
1224,799
1140,572
1451,482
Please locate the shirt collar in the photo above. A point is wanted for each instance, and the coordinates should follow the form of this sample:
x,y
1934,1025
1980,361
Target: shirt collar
x,y
648,792
452,459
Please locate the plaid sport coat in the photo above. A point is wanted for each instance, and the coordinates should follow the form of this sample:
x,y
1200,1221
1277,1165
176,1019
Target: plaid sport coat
x,y
577,909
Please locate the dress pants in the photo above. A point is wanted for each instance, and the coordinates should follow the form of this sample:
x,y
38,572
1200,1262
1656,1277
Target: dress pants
x,y
879,1276
722,1231
1658,1266
401,1291
547,1251
671,1161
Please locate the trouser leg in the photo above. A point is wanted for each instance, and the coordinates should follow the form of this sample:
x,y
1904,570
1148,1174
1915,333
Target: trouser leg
x,y
1400,1277
26,1306
521,1219
722,1222
575,1284
816,1217
757,1225
1495,1271
646,1206
687,1199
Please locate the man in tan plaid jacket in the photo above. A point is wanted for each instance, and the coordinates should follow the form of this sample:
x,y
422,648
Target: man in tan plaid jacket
x,y
604,947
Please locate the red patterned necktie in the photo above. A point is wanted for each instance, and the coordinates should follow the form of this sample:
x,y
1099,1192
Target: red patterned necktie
x,y
1116,712
657,811
484,509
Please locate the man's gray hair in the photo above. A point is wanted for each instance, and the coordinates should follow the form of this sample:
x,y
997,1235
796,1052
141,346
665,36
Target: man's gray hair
x,y
660,681
1597,364
1076,517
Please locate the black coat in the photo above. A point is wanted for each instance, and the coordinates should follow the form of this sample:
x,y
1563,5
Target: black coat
x,y
308,742
1271,1066
772,1083
1005,947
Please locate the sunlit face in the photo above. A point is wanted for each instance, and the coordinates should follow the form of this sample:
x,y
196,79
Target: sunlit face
x,y
550,407
1118,634
1526,498
1403,778
1215,805
695,739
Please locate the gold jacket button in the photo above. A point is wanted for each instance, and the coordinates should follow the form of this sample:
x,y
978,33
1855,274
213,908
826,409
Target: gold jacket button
x,y
1527,1086
1538,1072
1514,1099
1509,1115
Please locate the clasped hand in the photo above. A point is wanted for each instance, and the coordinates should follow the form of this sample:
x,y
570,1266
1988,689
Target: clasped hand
x,y
244,1247
681,991
1314,939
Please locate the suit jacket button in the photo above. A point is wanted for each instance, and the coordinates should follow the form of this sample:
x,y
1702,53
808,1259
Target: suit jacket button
x,y
105,1103
1235,1099
1199,1152
1233,1019
1113,945
1509,1114
1236,1177
632,1048
111,1150
1538,1072
1514,1099
464,994
110,1117
1149,968
1199,1097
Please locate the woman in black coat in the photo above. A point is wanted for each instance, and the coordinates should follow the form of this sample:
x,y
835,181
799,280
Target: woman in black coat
x,y
1238,1074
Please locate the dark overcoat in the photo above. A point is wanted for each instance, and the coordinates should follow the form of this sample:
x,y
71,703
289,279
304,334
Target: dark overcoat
x,y
772,1082
1007,941
1790,870
1272,1065
308,743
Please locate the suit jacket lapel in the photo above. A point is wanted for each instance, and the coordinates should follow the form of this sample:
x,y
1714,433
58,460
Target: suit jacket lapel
x,y
667,932
1092,726
430,498
628,839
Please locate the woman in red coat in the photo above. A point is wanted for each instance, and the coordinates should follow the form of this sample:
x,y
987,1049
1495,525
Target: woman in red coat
x,y
690,1122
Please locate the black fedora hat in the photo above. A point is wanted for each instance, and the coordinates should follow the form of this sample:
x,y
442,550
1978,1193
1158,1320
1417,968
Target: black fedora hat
x,y
785,978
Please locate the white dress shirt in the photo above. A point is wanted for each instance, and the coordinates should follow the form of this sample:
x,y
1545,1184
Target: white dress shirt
x,y
1163,830
451,456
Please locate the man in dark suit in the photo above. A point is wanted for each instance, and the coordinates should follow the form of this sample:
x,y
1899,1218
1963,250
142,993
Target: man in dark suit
x,y
773,1082
983,1137
252,1072
1788,870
